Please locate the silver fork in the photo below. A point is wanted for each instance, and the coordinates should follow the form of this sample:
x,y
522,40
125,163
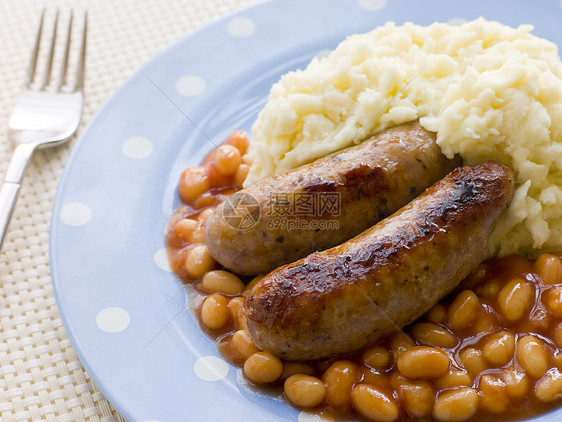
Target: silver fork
x,y
47,112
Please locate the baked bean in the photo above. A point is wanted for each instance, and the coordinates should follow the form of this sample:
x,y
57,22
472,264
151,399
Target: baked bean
x,y
377,357
423,362
241,175
239,139
220,281
198,261
515,298
459,404
484,322
214,311
184,228
204,215
304,390
417,397
552,299
549,268
263,368
532,355
236,306
539,320
374,404
228,192
499,347
227,350
493,396
193,182
490,289
557,335
437,314
557,358
197,235
293,368
251,284
433,335
454,378
395,378
227,160
370,376
203,201
242,343
217,180
516,382
339,379
399,343
463,310
549,387
210,156
473,361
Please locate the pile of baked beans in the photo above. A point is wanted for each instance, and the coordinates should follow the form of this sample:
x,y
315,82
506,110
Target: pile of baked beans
x,y
491,350
201,189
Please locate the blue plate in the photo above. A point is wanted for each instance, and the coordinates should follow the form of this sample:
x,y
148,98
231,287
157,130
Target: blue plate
x,y
127,316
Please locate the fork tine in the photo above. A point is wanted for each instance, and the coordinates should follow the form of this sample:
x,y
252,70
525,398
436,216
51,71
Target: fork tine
x,y
64,65
35,52
49,64
80,71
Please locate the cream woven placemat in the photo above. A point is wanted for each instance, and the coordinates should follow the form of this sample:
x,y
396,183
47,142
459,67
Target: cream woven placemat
x,y
41,378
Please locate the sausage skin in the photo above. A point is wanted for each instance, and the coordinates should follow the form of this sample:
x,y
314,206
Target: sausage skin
x,y
338,301
359,186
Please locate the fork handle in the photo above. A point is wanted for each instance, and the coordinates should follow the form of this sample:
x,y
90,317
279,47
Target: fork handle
x,y
8,197
11,186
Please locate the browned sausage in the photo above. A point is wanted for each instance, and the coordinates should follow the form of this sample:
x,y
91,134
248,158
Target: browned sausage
x,y
344,298
325,203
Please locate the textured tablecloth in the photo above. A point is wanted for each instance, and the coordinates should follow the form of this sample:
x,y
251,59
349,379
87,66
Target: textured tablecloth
x,y
41,378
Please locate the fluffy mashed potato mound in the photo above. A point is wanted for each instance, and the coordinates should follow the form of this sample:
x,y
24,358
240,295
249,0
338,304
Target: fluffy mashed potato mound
x,y
489,91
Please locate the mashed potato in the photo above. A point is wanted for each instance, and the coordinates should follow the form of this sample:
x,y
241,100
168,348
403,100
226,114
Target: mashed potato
x,y
491,92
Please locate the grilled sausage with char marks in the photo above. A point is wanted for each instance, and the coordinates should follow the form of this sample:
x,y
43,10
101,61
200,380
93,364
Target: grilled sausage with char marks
x,y
354,188
337,301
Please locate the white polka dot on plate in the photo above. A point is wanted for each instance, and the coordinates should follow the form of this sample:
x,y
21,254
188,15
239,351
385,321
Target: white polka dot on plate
x,y
457,21
210,368
241,27
75,214
311,417
190,85
372,5
161,259
137,147
113,320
